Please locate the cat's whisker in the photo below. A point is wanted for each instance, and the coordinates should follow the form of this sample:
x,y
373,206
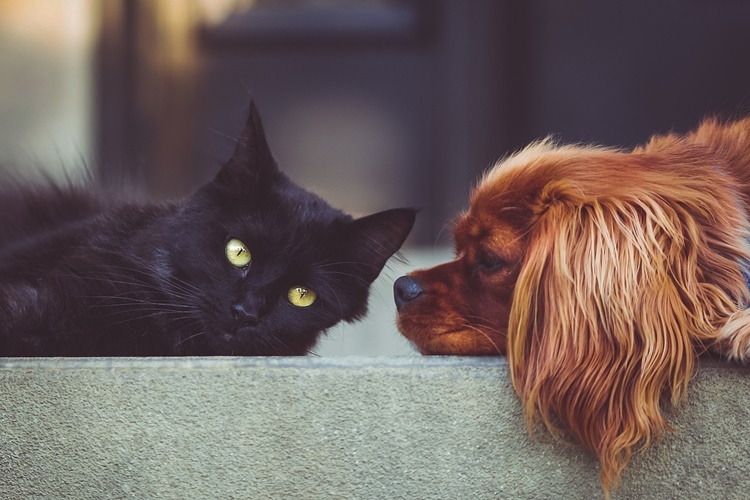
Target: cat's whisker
x,y
349,275
183,340
186,298
126,320
152,312
134,315
114,301
329,290
277,339
346,263
108,279
181,285
128,305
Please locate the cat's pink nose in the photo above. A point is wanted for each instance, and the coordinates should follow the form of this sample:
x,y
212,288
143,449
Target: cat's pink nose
x,y
245,314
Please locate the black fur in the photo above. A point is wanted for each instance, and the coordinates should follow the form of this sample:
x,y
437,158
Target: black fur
x,y
83,276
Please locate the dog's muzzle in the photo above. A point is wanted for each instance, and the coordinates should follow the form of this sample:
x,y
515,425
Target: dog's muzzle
x,y
405,290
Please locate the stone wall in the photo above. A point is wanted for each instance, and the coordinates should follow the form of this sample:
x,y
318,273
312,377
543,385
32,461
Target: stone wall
x,y
333,428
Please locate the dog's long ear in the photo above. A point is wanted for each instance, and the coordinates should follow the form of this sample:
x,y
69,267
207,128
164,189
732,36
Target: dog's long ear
x,y
608,307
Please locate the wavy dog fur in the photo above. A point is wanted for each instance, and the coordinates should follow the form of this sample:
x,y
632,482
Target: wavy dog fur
x,y
602,275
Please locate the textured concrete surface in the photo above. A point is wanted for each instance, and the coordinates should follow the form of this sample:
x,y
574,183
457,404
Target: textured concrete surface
x,y
333,428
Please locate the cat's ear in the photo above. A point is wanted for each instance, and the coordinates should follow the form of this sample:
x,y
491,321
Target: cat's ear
x,y
372,240
252,159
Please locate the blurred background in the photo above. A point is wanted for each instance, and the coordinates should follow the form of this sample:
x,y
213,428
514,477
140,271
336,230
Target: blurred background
x,y
372,104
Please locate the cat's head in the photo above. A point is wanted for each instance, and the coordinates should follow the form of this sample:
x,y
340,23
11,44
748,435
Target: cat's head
x,y
270,265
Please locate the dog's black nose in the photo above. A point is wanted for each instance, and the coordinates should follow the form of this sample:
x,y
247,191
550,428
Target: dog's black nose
x,y
406,289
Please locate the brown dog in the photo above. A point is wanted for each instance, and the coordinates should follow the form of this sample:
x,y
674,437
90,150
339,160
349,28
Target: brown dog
x,y
602,275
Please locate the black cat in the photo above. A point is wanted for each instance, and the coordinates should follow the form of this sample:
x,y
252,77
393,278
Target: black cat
x,y
250,264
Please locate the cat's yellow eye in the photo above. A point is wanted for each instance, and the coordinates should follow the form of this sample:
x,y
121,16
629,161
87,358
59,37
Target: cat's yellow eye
x,y
237,253
301,297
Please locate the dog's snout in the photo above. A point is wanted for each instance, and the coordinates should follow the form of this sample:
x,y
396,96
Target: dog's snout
x,y
406,289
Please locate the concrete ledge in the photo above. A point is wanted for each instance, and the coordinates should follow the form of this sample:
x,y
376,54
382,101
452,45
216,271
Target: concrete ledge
x,y
332,428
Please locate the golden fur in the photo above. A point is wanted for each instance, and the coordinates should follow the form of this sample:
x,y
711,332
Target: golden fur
x,y
602,275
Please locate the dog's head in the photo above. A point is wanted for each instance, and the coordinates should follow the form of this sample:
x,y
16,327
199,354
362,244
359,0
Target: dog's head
x,y
600,274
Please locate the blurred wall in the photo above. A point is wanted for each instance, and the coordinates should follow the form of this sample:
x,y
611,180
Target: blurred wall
x,y
377,103
616,72
46,84
371,103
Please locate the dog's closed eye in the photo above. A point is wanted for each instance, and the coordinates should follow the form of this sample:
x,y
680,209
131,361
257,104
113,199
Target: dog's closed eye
x,y
489,262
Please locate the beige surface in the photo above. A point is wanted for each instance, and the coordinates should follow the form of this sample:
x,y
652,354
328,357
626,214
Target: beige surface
x,y
349,428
